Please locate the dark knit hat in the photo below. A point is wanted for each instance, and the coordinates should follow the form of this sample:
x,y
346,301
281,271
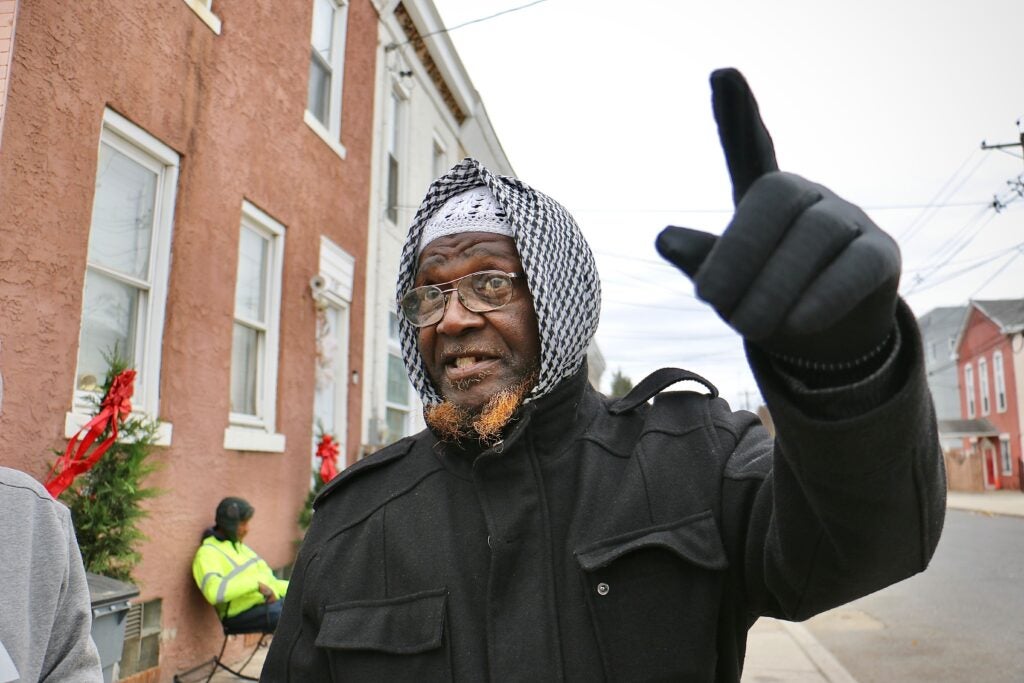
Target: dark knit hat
x,y
230,512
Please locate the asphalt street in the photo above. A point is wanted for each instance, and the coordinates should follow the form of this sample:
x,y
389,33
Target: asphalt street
x,y
961,620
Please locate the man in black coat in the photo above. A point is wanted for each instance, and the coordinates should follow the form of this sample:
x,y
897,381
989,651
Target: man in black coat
x,y
541,531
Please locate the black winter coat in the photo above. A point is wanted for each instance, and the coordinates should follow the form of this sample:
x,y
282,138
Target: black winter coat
x,y
610,540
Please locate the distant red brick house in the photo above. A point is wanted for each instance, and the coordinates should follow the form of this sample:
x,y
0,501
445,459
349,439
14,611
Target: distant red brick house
x,y
990,363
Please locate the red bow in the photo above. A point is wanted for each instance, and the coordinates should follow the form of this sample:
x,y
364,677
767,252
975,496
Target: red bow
x,y
327,451
115,407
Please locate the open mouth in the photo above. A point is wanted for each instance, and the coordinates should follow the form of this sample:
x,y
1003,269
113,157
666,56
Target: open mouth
x,y
466,365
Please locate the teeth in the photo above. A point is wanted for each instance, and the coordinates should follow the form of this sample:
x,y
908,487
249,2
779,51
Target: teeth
x,y
464,361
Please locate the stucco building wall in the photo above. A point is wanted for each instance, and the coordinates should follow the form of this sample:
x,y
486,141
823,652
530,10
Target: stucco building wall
x,y
232,106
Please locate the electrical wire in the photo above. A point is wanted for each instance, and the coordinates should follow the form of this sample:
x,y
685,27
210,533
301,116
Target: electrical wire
x,y
954,245
449,29
1013,258
964,271
922,218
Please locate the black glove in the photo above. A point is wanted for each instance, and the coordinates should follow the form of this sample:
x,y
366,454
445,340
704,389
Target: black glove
x,y
798,271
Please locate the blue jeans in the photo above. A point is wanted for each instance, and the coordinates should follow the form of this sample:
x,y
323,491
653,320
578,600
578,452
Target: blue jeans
x,y
261,618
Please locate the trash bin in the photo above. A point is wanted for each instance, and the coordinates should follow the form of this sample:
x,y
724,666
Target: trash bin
x,y
110,603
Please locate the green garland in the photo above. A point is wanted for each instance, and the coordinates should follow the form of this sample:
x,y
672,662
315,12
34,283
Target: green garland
x,y
106,501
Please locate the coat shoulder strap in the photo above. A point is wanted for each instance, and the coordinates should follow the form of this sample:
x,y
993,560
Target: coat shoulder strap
x,y
654,384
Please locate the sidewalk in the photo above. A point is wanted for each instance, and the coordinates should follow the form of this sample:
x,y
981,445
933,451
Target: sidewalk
x,y
782,651
786,651
988,502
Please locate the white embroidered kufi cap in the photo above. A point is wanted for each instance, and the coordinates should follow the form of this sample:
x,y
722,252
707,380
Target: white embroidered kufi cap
x,y
474,210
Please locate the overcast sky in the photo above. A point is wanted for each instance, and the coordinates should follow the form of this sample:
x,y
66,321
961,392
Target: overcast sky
x,y
606,107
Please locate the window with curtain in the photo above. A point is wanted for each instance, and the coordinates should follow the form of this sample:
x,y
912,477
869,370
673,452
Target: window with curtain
x,y
1000,379
394,132
983,385
396,412
326,64
127,262
257,311
969,388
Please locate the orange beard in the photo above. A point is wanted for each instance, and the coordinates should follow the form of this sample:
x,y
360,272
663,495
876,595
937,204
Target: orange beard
x,y
453,423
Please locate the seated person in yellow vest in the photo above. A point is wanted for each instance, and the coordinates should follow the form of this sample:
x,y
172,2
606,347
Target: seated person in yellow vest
x,y
232,577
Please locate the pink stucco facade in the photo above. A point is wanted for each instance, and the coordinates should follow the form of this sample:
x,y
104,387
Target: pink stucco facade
x,y
232,106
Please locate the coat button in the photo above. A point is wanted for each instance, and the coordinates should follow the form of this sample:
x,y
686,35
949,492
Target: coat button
x,y
603,588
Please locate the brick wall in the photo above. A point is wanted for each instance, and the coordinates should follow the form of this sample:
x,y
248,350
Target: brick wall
x,y
963,471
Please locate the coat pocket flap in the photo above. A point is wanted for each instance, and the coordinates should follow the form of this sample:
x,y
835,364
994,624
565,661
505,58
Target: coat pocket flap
x,y
405,625
694,539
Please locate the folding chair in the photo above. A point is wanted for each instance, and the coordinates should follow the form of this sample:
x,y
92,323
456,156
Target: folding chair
x,y
218,663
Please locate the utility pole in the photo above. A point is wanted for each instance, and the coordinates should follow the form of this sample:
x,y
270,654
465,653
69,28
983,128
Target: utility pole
x,y
1004,145
1017,184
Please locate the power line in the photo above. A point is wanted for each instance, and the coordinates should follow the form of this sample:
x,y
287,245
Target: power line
x,y
866,207
963,271
929,209
995,274
953,250
449,29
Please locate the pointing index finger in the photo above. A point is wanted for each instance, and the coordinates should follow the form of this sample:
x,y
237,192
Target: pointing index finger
x,y
748,147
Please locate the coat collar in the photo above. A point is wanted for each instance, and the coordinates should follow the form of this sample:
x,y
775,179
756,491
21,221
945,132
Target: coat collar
x,y
552,420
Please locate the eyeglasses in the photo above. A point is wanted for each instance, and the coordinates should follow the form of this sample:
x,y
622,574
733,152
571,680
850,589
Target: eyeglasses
x,y
487,290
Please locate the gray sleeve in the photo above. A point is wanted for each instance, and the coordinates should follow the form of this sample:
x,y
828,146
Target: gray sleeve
x,y
71,655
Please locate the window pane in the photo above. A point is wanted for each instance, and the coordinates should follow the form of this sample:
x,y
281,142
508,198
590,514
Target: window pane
x,y
398,384
244,350
319,89
252,273
438,161
393,326
109,315
392,208
396,111
122,214
395,428
328,371
323,28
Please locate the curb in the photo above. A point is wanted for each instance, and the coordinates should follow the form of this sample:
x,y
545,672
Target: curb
x,y
819,655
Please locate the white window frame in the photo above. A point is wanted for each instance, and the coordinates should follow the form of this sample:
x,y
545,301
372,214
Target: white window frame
x,y
331,133
439,157
1000,381
337,272
1005,456
204,10
135,143
969,389
986,403
394,148
257,432
395,349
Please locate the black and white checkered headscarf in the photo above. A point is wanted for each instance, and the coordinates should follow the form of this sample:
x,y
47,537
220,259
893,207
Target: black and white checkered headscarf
x,y
559,267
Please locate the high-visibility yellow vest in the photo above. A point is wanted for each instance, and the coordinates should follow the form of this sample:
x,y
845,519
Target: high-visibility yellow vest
x,y
229,575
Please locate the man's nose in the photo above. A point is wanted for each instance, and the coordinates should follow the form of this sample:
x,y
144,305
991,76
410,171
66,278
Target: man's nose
x,y
457,318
